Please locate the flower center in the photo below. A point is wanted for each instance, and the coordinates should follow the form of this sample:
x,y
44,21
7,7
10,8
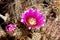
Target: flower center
x,y
32,21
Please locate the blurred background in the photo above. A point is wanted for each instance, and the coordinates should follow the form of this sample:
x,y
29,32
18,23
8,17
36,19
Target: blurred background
x,y
11,11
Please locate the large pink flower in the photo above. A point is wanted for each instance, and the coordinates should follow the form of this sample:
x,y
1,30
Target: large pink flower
x,y
33,18
10,27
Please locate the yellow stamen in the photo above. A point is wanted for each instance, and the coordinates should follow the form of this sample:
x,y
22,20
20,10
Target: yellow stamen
x,y
32,21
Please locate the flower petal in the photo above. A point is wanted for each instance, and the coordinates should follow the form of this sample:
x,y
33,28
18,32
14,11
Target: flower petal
x,y
29,27
22,20
35,14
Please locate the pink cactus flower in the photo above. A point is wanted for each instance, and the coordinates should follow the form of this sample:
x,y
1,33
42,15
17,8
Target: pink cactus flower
x,y
10,27
33,18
